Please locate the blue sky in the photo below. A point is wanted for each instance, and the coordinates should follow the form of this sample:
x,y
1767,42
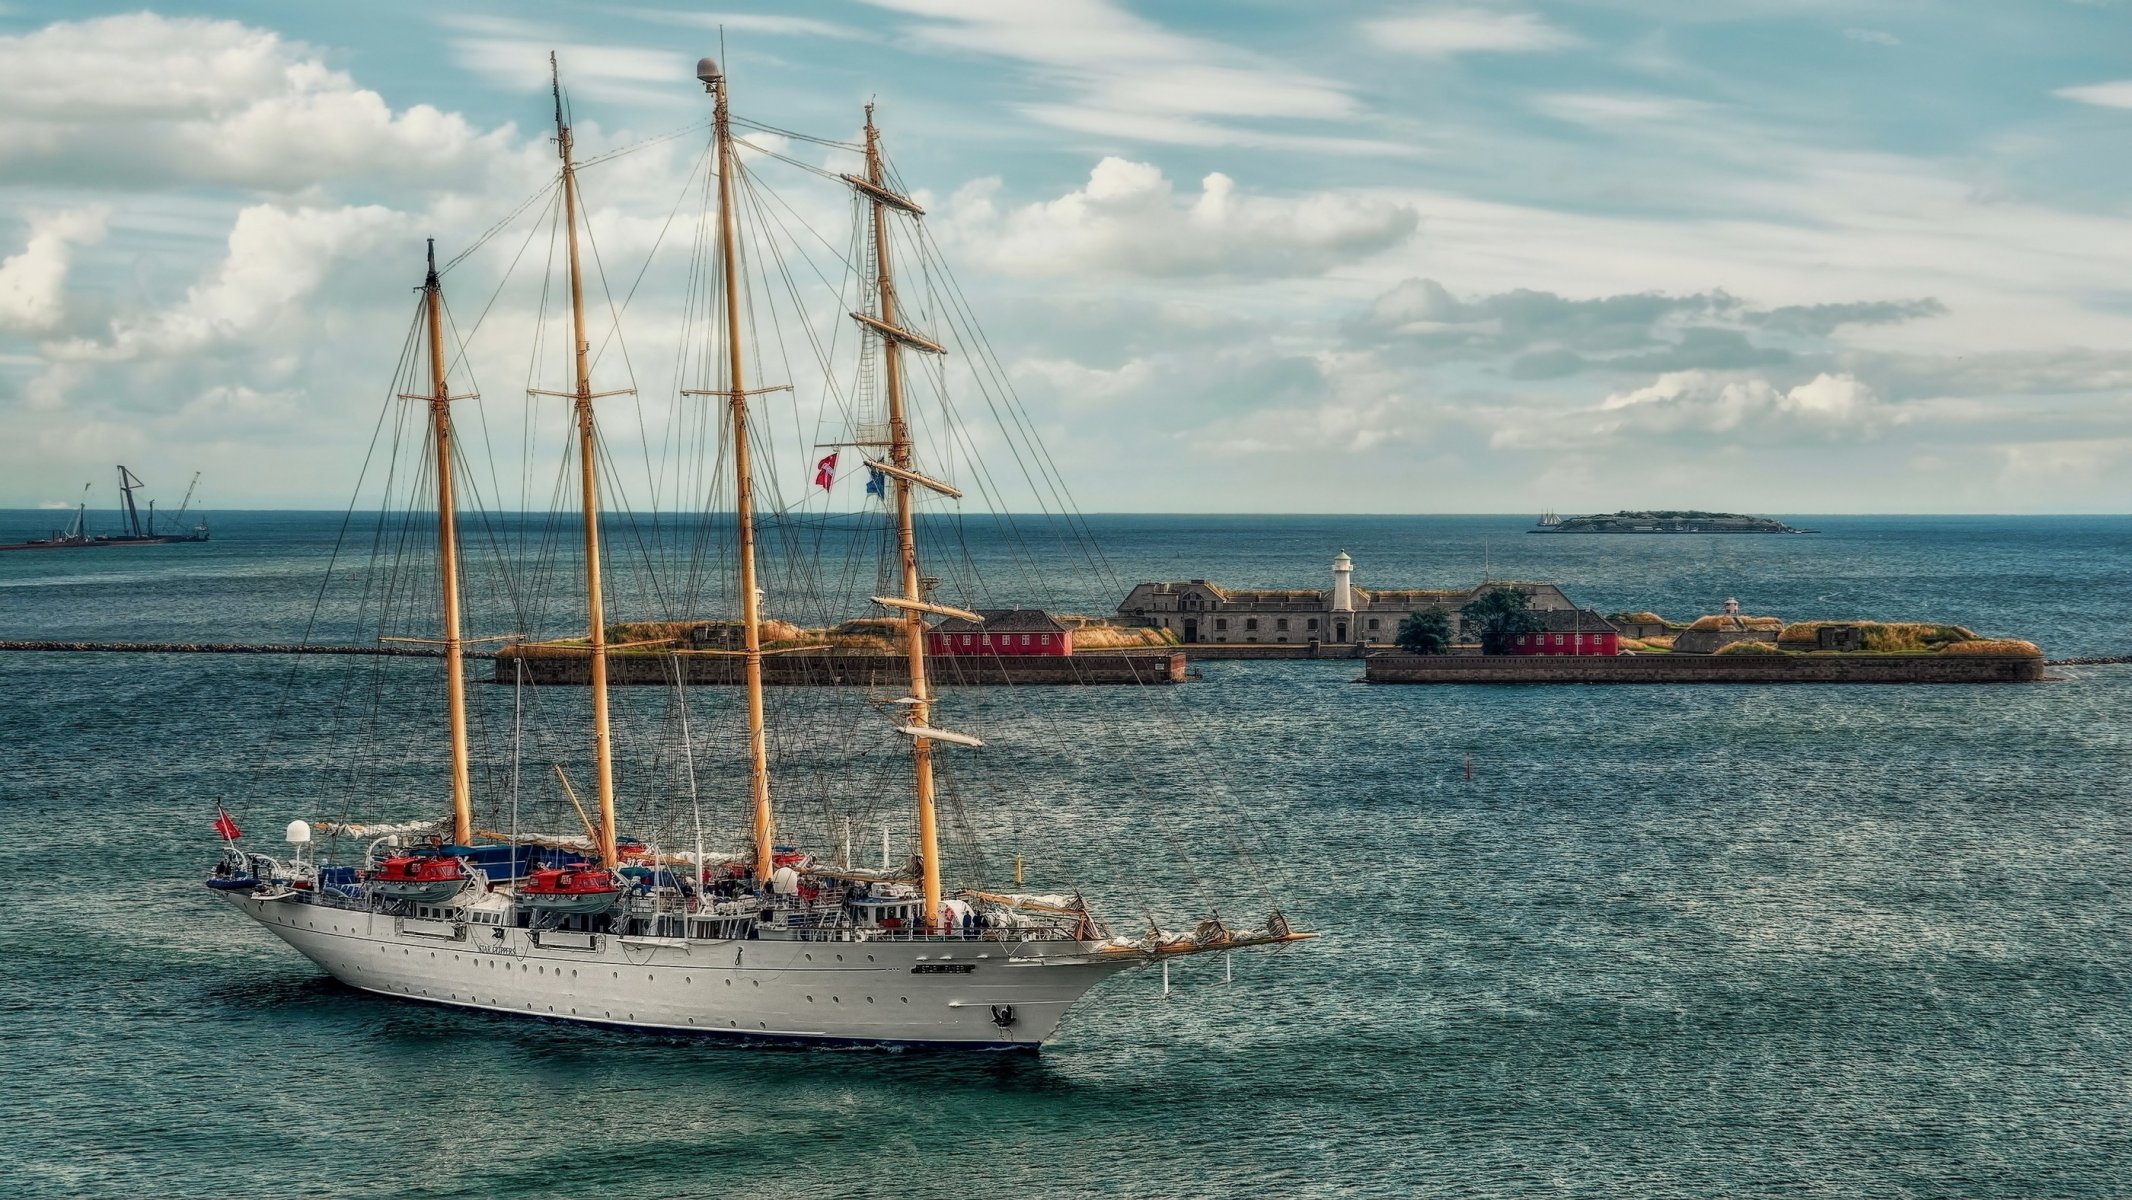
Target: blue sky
x,y
1246,256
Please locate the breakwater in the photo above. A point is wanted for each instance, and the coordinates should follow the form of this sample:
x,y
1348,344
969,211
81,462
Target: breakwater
x,y
850,670
232,648
1697,668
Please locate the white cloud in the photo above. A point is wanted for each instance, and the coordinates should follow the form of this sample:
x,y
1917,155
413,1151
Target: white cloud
x,y
276,257
1128,219
1594,108
143,100
769,26
513,55
1451,31
1122,75
1875,37
2115,94
1701,405
33,282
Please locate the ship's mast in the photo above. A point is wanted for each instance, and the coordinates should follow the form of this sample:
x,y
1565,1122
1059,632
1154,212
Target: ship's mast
x,y
899,435
589,488
714,82
440,430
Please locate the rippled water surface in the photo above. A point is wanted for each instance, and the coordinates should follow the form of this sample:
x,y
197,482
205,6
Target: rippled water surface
x,y
1771,941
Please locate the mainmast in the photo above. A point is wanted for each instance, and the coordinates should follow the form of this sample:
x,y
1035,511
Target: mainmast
x,y
904,473
589,488
714,82
440,429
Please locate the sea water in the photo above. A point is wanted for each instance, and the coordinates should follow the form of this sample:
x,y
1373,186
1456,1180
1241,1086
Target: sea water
x,y
1576,941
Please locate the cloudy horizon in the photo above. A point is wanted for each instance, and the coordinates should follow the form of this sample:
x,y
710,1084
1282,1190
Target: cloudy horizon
x,y
1377,258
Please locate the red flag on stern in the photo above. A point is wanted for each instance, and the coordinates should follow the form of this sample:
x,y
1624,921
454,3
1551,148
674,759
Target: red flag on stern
x,y
825,471
225,828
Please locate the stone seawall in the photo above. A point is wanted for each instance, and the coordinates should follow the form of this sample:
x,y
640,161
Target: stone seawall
x,y
853,670
1209,651
1696,668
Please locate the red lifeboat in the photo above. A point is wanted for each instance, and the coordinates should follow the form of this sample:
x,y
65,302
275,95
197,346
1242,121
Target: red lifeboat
x,y
577,888
422,878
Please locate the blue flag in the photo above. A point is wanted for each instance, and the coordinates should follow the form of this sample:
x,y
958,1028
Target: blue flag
x,y
876,483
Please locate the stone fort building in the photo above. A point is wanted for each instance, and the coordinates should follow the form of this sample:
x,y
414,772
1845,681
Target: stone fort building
x,y
1200,611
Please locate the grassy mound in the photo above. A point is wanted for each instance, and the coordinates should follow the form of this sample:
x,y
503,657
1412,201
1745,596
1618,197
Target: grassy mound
x,y
1994,646
1724,622
1120,637
1882,637
1751,649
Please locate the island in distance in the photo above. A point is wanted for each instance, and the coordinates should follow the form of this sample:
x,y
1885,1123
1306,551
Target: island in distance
x,y
1663,522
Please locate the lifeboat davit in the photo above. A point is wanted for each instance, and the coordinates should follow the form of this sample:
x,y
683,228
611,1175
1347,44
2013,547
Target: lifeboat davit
x,y
422,878
577,888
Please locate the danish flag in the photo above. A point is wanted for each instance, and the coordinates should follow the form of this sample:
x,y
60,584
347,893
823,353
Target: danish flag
x,y
825,472
225,828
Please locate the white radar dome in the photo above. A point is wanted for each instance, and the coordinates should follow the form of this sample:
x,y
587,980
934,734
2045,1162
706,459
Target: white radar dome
x,y
299,833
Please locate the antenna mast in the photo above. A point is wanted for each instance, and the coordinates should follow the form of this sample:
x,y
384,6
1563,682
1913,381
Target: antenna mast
x,y
589,488
714,82
441,436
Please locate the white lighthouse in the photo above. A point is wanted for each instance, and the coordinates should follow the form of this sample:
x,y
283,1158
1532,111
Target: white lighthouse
x,y
1343,584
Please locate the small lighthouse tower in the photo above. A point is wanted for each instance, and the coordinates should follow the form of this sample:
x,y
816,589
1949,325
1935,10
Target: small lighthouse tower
x,y
1343,583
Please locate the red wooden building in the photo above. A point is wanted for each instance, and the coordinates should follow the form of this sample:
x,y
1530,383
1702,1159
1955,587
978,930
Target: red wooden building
x,y
1569,631
1016,631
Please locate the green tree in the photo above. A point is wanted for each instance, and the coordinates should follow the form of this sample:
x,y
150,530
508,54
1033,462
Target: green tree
x,y
1501,614
1426,632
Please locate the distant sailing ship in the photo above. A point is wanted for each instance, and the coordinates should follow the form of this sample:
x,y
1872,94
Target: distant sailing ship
x,y
138,530
772,941
1549,519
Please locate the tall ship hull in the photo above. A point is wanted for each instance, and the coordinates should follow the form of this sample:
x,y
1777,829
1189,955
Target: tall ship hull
x,y
974,993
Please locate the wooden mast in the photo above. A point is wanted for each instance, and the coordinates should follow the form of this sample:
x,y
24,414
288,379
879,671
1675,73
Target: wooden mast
x,y
440,431
899,435
589,488
714,82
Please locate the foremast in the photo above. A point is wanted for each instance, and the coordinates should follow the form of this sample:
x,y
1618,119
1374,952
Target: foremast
x,y
588,485
905,477
442,439
736,395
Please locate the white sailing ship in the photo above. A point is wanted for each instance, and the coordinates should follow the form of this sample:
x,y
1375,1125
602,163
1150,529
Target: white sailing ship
x,y
774,942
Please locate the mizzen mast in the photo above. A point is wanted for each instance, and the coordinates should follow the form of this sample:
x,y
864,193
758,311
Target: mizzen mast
x,y
441,437
588,483
736,394
899,468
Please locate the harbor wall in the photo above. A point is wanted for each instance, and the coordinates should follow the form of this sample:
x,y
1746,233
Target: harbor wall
x,y
1209,651
1716,668
853,670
